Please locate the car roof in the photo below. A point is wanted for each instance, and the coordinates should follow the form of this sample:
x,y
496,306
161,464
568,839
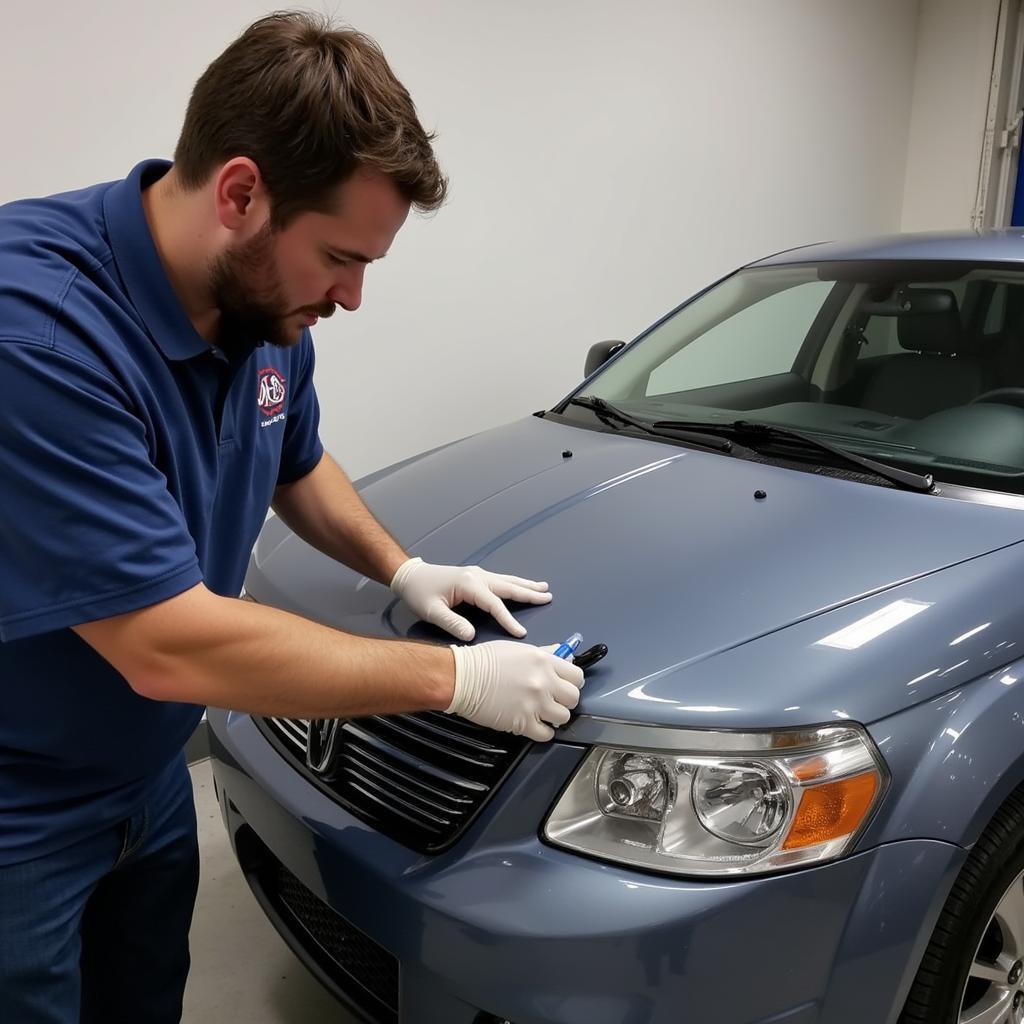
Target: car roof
x,y
1006,245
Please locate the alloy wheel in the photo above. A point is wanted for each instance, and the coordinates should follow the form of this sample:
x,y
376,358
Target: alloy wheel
x,y
994,991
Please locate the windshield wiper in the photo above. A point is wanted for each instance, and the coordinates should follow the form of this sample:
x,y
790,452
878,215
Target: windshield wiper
x,y
610,415
750,435
758,435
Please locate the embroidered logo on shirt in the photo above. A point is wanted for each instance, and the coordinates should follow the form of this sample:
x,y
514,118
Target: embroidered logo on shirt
x,y
272,393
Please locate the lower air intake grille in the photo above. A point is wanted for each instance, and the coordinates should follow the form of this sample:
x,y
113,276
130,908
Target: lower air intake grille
x,y
358,956
361,973
418,778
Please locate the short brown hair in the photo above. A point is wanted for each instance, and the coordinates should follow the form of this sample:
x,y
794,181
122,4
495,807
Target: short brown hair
x,y
310,104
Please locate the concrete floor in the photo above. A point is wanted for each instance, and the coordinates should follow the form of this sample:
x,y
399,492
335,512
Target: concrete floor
x,y
241,968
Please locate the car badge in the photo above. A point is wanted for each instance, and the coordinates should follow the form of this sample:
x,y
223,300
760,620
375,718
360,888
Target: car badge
x,y
320,746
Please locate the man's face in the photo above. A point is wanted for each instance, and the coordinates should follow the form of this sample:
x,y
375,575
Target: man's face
x,y
275,283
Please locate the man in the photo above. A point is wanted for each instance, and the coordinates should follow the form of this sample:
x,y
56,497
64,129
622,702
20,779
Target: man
x,y
158,395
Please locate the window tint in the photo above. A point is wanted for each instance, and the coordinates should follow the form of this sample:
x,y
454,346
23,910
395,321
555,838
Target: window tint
x,y
759,340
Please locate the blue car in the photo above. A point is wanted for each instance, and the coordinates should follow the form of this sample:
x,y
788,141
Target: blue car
x,y
793,791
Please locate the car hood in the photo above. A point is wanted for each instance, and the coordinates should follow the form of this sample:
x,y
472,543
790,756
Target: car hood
x,y
667,555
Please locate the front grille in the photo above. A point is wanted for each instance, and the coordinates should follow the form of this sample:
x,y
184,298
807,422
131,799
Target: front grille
x,y
358,970
418,778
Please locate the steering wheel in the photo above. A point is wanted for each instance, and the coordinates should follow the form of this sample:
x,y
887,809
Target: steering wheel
x,y
1002,396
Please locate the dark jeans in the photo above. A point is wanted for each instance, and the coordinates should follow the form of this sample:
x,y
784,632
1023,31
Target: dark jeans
x,y
98,932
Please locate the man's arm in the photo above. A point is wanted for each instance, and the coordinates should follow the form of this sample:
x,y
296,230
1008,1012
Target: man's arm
x,y
325,510
200,648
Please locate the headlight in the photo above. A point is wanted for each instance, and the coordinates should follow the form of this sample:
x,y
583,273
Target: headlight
x,y
760,802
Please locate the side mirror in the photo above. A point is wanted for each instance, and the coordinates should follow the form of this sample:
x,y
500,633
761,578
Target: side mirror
x,y
600,354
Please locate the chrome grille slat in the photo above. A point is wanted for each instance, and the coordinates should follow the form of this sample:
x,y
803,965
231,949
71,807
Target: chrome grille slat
x,y
425,768
295,730
389,798
502,742
432,801
411,784
411,736
419,778
390,811
448,735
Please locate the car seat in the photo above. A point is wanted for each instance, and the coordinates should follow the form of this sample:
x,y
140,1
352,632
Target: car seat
x,y
939,370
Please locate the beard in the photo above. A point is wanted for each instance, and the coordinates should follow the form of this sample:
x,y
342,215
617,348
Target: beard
x,y
248,291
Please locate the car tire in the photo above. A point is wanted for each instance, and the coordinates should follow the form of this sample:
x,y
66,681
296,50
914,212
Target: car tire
x,y
973,962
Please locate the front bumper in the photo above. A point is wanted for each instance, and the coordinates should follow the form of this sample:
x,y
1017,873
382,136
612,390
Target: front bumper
x,y
506,925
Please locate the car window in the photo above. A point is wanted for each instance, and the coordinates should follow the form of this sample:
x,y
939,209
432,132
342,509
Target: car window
x,y
895,359
757,340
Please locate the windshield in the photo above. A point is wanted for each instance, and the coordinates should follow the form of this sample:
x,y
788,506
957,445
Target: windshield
x,y
918,363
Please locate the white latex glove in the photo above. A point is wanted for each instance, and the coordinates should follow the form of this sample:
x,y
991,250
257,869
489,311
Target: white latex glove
x,y
431,591
514,687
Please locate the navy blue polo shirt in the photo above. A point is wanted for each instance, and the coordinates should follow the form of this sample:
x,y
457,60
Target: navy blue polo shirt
x,y
136,460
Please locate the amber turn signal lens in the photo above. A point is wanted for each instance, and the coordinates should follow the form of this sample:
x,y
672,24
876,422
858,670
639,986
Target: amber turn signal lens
x,y
832,810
